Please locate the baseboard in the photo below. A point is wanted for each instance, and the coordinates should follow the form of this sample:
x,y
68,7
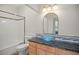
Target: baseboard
x,y
10,46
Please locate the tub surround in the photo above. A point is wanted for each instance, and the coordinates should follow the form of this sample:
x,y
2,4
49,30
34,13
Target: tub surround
x,y
74,47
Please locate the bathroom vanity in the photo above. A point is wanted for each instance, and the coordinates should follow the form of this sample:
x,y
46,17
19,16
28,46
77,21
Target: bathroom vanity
x,y
59,46
39,47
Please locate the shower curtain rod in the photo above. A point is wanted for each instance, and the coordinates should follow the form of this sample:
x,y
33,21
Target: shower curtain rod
x,y
11,14
9,18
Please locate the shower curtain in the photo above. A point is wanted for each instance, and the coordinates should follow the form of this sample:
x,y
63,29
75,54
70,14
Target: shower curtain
x,y
11,32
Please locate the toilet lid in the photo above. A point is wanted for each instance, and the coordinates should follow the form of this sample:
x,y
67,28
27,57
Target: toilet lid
x,y
21,46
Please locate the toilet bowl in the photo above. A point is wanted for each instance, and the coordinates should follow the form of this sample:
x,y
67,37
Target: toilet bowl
x,y
22,49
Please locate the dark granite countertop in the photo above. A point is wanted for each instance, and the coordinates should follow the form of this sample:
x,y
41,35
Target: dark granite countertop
x,y
57,44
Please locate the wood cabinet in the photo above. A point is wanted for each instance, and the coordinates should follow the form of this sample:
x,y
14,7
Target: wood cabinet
x,y
41,49
50,53
51,50
41,52
65,52
32,48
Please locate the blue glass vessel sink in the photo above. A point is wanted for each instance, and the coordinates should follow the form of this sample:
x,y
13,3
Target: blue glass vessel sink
x,y
47,38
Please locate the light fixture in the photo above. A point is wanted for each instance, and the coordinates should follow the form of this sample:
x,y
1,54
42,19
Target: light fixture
x,y
49,9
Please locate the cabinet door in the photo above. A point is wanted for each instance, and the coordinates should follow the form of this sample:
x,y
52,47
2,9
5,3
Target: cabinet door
x,y
45,50
50,50
41,52
41,46
41,49
32,48
65,52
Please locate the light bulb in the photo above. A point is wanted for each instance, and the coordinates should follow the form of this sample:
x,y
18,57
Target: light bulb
x,y
55,7
49,8
44,10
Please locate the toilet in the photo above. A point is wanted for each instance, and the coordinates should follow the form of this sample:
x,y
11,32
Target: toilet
x,y
22,49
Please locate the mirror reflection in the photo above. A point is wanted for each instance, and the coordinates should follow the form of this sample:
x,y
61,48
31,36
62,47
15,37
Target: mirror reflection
x,y
50,24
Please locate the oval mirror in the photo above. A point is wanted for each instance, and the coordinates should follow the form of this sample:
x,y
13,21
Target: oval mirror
x,y
50,24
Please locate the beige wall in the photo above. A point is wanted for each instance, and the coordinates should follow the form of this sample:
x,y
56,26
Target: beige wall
x,y
33,20
68,19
